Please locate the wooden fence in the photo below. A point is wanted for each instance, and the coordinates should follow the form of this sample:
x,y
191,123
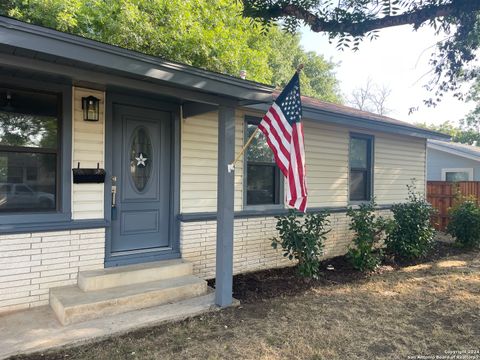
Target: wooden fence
x,y
441,194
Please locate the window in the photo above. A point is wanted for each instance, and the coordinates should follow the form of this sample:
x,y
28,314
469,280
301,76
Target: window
x,y
360,167
262,174
457,174
29,150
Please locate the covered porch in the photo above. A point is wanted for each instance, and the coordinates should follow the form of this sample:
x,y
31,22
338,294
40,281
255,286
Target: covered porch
x,y
140,219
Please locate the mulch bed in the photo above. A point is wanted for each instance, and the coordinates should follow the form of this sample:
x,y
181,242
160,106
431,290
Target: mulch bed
x,y
266,284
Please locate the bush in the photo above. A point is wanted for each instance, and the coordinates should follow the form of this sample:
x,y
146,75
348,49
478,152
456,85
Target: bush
x,y
364,255
303,242
411,235
464,224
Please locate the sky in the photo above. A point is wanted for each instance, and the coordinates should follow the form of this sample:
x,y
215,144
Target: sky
x,y
398,59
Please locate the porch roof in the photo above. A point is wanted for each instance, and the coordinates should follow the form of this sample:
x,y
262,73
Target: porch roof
x,y
44,45
39,48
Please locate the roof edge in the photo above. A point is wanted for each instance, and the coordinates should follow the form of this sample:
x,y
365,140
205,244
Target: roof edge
x,y
31,34
449,150
427,134
338,118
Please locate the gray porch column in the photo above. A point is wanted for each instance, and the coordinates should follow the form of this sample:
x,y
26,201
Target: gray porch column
x,y
225,196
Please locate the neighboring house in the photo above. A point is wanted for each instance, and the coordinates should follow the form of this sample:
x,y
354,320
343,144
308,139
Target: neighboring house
x,y
160,129
450,161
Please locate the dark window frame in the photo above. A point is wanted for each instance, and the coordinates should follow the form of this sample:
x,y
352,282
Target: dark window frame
x,y
62,213
37,150
279,183
368,171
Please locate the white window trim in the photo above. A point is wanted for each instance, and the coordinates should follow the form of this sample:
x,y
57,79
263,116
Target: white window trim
x,y
469,171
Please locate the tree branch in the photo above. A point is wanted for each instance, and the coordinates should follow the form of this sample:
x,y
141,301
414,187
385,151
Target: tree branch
x,y
415,17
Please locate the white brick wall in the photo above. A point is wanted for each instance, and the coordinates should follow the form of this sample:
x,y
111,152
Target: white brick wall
x,y
252,244
31,264
252,249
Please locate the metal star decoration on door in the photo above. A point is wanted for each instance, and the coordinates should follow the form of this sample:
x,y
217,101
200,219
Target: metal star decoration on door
x,y
141,160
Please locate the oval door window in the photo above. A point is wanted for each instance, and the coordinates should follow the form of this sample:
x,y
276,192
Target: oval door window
x,y
141,158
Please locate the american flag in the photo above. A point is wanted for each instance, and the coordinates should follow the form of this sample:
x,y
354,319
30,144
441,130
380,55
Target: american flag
x,y
284,134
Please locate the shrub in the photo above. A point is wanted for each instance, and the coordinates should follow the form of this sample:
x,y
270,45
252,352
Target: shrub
x,y
302,241
364,255
411,235
464,223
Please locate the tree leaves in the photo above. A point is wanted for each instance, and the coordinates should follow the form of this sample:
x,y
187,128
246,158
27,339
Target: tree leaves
x,y
210,34
465,133
350,22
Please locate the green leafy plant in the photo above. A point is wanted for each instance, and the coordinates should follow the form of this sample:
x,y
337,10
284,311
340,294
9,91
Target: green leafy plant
x,y
368,227
464,223
303,241
411,235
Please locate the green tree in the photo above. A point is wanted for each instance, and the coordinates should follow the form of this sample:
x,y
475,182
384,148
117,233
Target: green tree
x,y
472,120
210,34
464,133
204,34
352,21
318,78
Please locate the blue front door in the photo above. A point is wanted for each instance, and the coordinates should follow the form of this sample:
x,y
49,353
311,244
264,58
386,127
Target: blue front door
x,y
141,168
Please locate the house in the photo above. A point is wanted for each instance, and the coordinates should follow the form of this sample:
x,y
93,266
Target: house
x,y
164,133
449,161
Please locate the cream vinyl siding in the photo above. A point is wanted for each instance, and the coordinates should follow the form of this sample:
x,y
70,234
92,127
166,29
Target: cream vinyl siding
x,y
198,186
326,153
397,160
199,146
87,148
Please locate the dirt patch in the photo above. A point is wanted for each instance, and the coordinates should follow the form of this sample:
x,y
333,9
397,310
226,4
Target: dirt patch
x,y
267,284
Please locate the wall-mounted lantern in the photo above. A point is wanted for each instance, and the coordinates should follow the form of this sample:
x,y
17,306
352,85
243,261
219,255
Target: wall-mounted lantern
x,y
91,108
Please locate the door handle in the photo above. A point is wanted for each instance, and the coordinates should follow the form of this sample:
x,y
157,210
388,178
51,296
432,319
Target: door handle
x,y
114,191
114,198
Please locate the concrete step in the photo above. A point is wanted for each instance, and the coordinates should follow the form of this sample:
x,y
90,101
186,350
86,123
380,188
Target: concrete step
x,y
72,305
37,329
95,280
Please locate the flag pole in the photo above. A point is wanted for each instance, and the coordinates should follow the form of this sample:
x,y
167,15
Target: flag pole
x,y
231,166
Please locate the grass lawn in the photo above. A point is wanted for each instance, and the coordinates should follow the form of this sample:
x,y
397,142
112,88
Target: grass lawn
x,y
423,310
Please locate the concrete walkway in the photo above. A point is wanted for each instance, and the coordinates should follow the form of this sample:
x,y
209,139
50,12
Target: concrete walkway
x,y
38,329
